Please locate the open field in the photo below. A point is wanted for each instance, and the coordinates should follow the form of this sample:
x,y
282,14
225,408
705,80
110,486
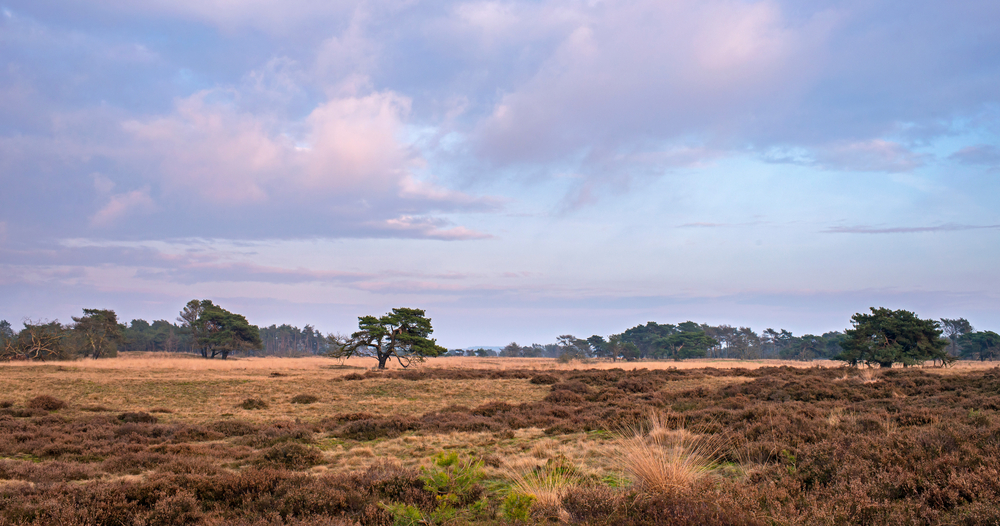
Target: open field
x,y
180,440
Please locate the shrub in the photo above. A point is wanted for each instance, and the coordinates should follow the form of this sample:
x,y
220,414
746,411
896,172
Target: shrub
x,y
46,403
290,455
304,399
137,418
516,507
544,379
370,429
234,428
93,408
563,397
275,433
181,508
574,386
455,486
251,404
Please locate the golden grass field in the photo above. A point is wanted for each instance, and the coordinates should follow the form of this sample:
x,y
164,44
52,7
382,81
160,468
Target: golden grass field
x,y
196,390
191,389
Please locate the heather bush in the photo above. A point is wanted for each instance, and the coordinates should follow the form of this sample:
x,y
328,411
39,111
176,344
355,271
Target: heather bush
x,y
252,404
132,418
304,399
373,428
291,455
46,403
544,379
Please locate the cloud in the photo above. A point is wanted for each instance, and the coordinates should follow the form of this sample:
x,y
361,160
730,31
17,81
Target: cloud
x,y
434,228
204,272
349,148
863,229
211,151
875,155
121,205
744,77
980,155
653,70
353,145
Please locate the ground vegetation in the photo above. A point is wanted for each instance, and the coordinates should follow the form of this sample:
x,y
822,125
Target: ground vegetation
x,y
531,445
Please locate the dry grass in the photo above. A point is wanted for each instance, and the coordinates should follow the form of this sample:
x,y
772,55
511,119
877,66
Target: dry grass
x,y
661,460
551,364
592,454
868,375
199,390
548,484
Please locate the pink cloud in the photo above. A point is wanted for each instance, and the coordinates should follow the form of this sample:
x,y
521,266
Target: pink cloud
x,y
350,148
430,228
121,205
659,67
353,144
212,151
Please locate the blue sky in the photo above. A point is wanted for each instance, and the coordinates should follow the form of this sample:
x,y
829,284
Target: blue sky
x,y
520,170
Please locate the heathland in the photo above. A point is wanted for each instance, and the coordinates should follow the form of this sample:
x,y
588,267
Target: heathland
x,y
151,439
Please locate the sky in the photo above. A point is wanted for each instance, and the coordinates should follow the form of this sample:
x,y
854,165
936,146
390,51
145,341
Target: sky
x,y
518,169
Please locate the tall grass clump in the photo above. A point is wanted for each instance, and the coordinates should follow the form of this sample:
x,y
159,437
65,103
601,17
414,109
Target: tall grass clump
x,y
659,459
546,485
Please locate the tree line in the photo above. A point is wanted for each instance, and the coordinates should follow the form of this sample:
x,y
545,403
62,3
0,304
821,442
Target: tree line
x,y
202,328
883,337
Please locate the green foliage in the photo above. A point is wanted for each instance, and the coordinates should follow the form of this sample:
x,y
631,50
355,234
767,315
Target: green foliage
x,y
404,514
513,350
954,330
644,337
217,331
789,460
451,478
37,341
653,340
6,333
572,348
516,507
885,337
99,332
684,344
403,334
979,345
159,336
454,482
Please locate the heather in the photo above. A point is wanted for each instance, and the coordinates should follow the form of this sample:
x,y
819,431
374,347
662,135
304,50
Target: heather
x,y
292,442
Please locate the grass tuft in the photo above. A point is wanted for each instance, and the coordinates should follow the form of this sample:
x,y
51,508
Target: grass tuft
x,y
661,460
547,484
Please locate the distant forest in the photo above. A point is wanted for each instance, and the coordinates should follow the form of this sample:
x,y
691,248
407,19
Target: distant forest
x,y
209,330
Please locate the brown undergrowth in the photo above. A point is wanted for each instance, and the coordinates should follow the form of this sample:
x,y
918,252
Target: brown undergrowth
x,y
723,446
